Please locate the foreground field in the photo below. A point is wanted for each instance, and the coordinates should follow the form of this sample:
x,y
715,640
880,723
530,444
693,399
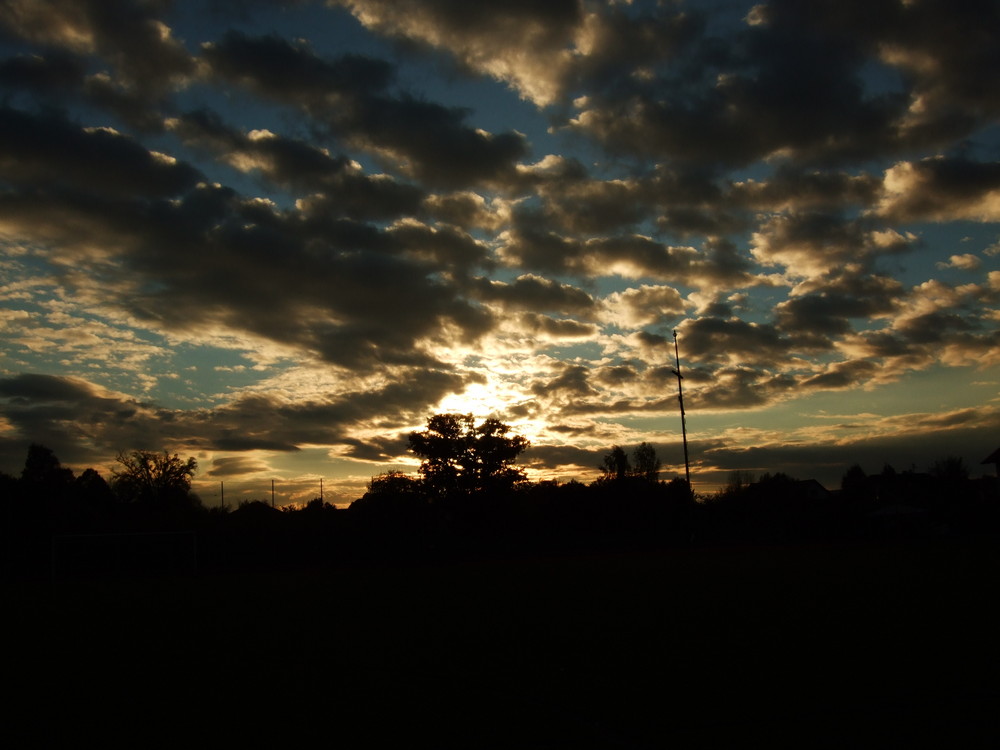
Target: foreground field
x,y
821,646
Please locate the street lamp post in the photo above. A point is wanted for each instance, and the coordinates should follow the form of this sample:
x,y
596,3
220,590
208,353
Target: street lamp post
x,y
680,399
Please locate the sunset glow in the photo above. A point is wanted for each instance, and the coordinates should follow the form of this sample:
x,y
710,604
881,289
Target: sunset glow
x,y
279,238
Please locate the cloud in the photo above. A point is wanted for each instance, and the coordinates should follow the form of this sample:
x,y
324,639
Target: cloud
x,y
83,423
965,262
535,293
523,43
740,387
236,466
826,307
815,244
350,97
793,83
941,50
643,306
469,210
789,87
50,151
737,342
52,74
30,387
305,250
941,189
795,191
934,307
548,328
594,206
530,244
212,259
142,49
909,441
842,375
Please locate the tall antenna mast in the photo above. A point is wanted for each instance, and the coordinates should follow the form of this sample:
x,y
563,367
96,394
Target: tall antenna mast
x,y
680,399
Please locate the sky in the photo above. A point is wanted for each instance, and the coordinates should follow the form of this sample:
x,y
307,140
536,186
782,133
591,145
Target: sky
x,y
278,236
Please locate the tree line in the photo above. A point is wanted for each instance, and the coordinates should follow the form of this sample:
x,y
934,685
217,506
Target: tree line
x,y
470,497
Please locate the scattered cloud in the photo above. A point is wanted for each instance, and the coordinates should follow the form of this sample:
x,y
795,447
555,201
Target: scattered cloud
x,y
228,238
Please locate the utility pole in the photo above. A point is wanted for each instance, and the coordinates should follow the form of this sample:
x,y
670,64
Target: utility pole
x,y
680,399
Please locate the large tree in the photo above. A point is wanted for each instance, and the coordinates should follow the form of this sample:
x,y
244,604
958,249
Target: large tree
x,y
615,464
461,457
43,472
645,463
150,477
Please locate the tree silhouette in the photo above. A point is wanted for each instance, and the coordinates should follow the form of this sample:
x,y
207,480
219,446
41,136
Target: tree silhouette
x,y
951,470
645,463
43,473
391,494
153,478
854,480
615,464
460,457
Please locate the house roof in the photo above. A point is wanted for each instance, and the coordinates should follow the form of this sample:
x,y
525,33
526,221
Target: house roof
x,y
993,458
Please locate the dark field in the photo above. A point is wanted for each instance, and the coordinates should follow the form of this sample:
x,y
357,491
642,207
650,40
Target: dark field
x,y
822,646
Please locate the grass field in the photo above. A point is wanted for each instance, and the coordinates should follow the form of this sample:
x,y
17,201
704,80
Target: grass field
x,y
816,646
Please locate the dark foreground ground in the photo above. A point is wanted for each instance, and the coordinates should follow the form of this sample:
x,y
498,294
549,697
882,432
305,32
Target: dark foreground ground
x,y
838,646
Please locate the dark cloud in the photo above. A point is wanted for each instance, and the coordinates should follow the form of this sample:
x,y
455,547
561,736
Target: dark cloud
x,y
941,50
797,190
535,293
350,96
129,35
49,388
283,160
83,423
212,258
472,18
617,375
739,387
828,310
760,177
942,188
53,74
584,463
842,375
362,198
236,466
934,327
548,327
532,245
594,207
917,445
787,85
78,421
572,381
522,42
375,449
733,340
47,151
445,247
464,209
813,243
292,72
791,82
